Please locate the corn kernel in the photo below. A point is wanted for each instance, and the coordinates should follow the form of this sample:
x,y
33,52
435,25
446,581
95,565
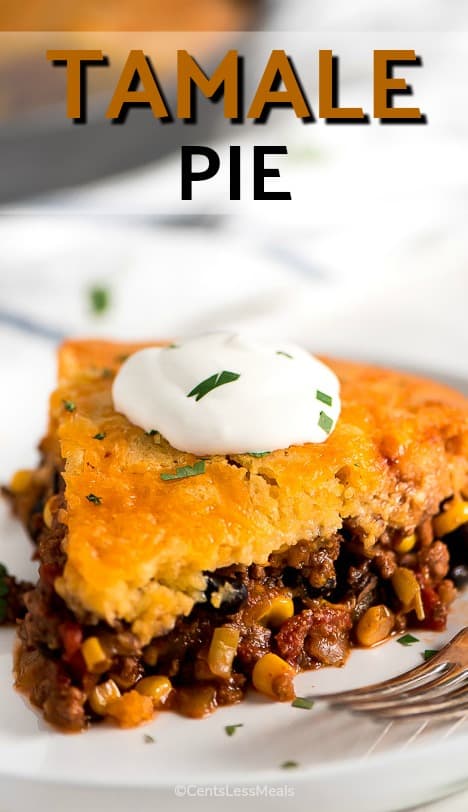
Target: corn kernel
x,y
408,591
406,544
62,516
21,481
47,513
223,649
157,688
281,608
266,670
419,606
374,626
102,695
454,516
94,655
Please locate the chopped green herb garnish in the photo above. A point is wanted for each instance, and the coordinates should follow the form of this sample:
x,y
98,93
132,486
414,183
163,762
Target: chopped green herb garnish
x,y
95,500
69,405
259,453
306,153
4,589
101,435
324,398
302,702
429,653
286,354
121,359
408,640
289,765
325,422
186,471
148,739
219,379
107,373
99,299
151,432
231,729
172,347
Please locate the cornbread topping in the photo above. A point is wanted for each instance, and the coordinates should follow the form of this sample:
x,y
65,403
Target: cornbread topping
x,y
226,394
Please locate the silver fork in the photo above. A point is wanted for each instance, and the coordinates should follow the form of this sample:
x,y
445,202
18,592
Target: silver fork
x,y
437,689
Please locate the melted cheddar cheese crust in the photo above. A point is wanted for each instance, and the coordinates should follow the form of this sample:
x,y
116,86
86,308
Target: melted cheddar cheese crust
x,y
137,552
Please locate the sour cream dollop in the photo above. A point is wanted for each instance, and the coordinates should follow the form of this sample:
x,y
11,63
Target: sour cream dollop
x,y
223,393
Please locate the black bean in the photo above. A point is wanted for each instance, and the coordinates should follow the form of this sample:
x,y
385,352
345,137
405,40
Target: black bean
x,y
365,597
233,596
291,577
324,591
459,575
457,542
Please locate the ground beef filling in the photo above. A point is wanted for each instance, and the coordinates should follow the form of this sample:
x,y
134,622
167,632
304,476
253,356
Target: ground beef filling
x,y
329,585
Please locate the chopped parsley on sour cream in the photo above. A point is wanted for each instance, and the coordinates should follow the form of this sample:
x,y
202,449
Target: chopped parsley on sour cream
x,y
224,393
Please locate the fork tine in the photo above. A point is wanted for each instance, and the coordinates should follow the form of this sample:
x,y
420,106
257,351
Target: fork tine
x,y
454,701
415,675
432,690
454,652
425,712
449,680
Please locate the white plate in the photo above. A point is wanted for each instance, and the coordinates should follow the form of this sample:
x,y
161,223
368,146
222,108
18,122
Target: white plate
x,y
344,762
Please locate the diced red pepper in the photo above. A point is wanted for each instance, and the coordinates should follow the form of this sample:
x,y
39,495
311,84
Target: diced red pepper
x,y
435,611
72,638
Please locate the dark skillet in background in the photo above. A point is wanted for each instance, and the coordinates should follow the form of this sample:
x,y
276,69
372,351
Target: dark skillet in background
x,y
42,151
